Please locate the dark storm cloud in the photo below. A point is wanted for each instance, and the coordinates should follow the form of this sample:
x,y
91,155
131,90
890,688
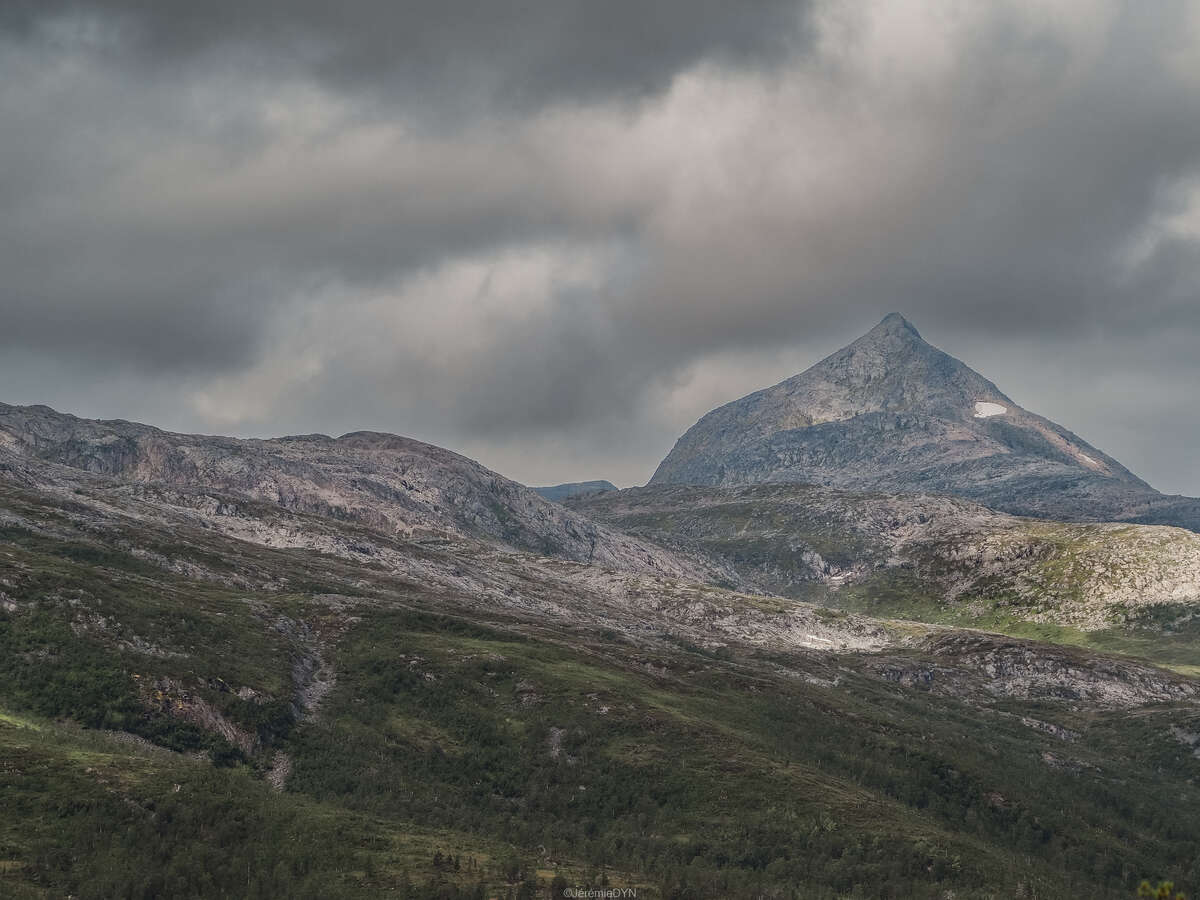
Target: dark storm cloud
x,y
165,225
518,54
554,234
1034,242
194,285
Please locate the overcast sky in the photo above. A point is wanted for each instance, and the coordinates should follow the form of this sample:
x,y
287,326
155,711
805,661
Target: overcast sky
x,y
552,234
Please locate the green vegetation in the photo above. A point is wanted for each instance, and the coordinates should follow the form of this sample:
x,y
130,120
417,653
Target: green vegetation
x,y
521,757
1164,635
1164,891
454,758
720,780
94,818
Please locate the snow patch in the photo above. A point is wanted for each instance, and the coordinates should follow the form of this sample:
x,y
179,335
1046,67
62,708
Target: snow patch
x,y
1087,459
985,410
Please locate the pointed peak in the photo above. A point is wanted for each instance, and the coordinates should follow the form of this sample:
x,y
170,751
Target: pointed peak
x,y
893,337
894,323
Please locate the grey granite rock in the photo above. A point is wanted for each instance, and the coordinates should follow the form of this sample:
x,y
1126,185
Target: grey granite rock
x,y
890,412
389,483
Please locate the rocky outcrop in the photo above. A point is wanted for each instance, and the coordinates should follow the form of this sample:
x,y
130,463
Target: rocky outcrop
x,y
892,413
1014,668
390,483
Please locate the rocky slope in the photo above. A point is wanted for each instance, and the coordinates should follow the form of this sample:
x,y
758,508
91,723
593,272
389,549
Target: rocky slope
x,y
774,539
890,412
123,532
391,483
807,541
238,657
527,714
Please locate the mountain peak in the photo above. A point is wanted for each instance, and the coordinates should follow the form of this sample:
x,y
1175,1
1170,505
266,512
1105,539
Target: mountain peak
x,y
895,324
893,343
891,368
892,412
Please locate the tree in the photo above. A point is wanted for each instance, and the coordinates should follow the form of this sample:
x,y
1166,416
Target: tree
x,y
1164,891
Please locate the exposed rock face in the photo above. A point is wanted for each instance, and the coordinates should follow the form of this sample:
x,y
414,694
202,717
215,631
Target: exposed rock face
x,y
60,503
800,540
560,492
892,413
965,662
393,484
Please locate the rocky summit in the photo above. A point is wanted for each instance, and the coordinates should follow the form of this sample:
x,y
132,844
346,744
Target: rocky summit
x,y
891,412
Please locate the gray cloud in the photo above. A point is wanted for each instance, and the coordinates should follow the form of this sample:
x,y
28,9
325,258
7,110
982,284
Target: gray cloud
x,y
554,239
519,55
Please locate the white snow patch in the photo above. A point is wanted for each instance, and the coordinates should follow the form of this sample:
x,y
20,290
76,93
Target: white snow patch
x,y
1087,459
984,410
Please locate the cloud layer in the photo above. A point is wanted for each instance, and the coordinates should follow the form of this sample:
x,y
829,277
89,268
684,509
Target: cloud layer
x,y
553,240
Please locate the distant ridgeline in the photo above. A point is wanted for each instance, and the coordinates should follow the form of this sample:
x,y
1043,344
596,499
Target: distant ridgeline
x,y
560,492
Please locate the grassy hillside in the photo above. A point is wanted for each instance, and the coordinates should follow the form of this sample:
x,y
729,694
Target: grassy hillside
x,y
521,753
159,683
1168,635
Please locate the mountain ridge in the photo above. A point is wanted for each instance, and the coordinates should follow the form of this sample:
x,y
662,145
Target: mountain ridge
x,y
392,483
560,492
890,412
